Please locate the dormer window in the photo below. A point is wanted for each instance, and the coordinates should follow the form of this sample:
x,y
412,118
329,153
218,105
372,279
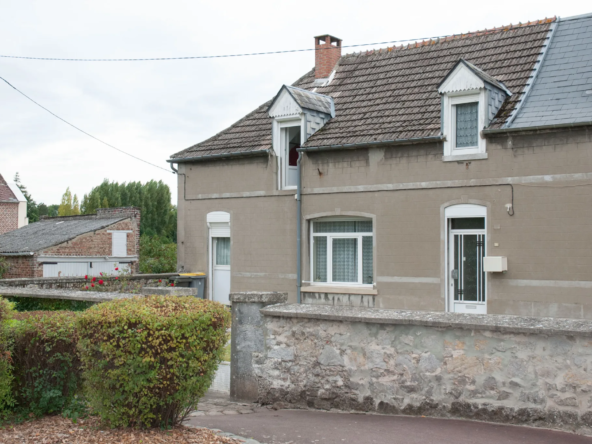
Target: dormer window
x,y
297,114
470,100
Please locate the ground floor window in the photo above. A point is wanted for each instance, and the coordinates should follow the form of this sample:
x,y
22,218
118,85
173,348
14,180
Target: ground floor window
x,y
342,251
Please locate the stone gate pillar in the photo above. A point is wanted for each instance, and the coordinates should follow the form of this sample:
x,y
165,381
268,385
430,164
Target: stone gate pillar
x,y
248,338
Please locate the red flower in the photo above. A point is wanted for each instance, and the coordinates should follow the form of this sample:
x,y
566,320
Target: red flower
x,y
159,281
172,285
86,288
116,268
93,279
92,285
116,277
101,274
101,282
86,276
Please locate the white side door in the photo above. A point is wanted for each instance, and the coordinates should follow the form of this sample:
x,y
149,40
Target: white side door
x,y
221,269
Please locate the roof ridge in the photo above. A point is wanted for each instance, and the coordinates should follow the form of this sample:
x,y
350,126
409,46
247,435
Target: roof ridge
x,y
454,37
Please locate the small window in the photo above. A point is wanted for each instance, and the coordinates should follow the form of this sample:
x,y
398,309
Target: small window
x,y
342,252
467,125
119,243
290,142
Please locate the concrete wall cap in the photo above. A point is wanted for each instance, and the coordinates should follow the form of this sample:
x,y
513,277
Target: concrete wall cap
x,y
266,297
169,291
499,323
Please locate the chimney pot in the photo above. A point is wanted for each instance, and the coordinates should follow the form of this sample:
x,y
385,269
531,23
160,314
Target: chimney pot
x,y
327,54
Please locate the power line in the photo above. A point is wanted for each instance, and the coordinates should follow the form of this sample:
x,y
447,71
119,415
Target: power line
x,y
81,130
286,51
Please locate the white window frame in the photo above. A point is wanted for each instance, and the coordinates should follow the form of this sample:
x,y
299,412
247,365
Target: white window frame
x,y
280,145
330,237
450,102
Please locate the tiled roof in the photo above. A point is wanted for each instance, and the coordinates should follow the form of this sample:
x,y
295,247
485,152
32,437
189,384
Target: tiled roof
x,y
392,94
562,91
49,232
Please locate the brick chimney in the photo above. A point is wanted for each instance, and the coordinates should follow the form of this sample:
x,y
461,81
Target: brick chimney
x,y
327,54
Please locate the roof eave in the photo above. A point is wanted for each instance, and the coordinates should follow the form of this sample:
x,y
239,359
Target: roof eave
x,y
219,156
18,253
526,129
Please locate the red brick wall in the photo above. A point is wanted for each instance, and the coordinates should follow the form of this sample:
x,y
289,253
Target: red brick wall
x,y
23,266
8,217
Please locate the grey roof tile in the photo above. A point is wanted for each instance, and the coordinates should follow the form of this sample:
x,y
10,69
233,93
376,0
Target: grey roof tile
x,y
52,231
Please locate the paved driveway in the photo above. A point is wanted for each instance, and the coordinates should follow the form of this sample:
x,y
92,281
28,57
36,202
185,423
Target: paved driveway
x,y
305,427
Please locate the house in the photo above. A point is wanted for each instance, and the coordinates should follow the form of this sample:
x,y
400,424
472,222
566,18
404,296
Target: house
x,y
13,207
74,245
445,175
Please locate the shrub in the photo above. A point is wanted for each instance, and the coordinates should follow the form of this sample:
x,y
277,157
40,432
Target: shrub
x,y
147,361
43,304
6,399
47,373
157,255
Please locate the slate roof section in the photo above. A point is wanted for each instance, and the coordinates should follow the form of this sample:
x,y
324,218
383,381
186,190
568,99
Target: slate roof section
x,y
49,232
559,93
310,100
392,94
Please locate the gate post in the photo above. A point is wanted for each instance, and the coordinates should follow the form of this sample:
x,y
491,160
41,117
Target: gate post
x,y
248,337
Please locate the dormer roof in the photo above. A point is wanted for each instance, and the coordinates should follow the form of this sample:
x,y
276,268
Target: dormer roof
x,y
465,76
291,99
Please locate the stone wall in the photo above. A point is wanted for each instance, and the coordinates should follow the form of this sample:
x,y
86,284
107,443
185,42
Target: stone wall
x,y
508,369
76,283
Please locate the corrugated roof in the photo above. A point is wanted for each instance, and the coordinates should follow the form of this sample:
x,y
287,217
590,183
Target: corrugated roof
x,y
392,94
562,91
49,232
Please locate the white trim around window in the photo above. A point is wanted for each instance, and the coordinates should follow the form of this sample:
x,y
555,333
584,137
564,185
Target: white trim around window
x,y
449,109
280,126
329,238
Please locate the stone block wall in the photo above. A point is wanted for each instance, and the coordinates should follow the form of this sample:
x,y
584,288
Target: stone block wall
x,y
508,369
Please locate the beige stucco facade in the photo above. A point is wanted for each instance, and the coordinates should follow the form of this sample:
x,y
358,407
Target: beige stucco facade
x,y
405,190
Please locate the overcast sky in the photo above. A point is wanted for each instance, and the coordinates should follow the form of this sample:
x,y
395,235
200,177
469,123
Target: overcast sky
x,y
154,109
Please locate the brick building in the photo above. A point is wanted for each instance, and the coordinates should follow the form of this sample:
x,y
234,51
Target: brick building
x,y
74,245
446,175
13,207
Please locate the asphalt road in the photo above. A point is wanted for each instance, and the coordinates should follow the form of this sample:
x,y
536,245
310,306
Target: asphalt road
x,y
305,427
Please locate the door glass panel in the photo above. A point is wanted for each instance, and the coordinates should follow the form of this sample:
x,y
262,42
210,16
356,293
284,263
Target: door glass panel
x,y
468,223
222,251
468,275
345,260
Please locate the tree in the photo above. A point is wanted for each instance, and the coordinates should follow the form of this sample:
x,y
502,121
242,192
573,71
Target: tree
x,y
159,216
69,205
32,209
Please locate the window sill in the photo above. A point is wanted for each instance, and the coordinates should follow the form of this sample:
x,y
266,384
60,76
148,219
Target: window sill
x,y
338,289
462,157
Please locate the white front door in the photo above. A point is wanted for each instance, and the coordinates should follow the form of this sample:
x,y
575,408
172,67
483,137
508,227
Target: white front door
x,y
467,282
221,269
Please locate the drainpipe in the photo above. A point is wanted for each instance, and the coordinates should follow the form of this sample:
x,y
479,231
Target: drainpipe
x,y
299,230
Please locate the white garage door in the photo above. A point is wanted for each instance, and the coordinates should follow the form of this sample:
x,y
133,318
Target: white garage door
x,y
62,269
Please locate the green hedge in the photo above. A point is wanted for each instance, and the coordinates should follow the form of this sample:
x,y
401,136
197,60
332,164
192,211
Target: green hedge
x,y
47,371
43,304
6,398
147,361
